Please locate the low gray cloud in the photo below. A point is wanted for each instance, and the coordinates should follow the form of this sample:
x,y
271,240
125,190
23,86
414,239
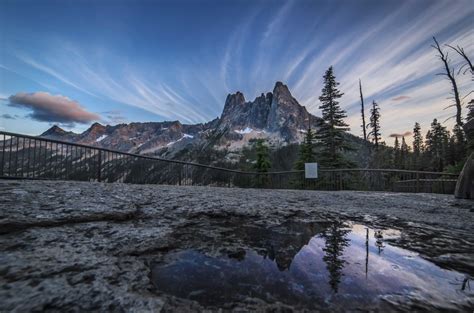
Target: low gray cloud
x,y
8,117
114,117
401,98
52,108
405,134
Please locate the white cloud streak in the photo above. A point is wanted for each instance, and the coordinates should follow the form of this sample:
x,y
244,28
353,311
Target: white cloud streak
x,y
392,56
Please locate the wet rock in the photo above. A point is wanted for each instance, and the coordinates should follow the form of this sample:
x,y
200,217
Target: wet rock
x,y
465,183
73,246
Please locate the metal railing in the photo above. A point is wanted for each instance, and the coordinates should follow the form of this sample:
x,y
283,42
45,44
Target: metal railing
x,y
29,157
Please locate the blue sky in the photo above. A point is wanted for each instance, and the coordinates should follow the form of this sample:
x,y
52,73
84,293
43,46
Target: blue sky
x,y
124,61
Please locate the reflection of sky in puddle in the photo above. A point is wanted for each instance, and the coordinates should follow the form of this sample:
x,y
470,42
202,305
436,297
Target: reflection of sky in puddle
x,y
335,266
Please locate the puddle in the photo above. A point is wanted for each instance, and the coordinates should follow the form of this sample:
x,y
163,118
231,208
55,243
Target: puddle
x,y
317,265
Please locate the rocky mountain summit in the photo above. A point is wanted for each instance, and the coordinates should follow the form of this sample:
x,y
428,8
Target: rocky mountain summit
x,y
276,116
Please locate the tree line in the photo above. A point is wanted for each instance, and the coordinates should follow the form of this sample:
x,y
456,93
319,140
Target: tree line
x,y
438,150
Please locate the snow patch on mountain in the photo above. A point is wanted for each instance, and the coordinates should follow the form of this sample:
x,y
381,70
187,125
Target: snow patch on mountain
x,y
101,138
184,136
247,130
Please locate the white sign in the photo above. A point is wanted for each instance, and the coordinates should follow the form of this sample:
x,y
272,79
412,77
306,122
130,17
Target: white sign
x,y
311,170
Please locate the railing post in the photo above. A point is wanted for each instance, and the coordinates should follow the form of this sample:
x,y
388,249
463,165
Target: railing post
x,y
417,182
99,167
179,178
3,154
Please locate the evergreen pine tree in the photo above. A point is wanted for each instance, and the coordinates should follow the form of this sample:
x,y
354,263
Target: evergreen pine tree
x,y
404,154
460,144
396,154
332,129
470,135
437,146
470,112
262,164
417,146
374,124
306,153
451,153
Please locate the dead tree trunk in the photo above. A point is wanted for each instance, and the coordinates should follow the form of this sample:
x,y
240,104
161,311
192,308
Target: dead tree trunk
x,y
450,74
362,111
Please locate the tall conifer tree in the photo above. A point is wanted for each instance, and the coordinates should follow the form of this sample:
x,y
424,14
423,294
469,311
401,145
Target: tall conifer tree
x,y
470,134
404,152
262,164
437,146
417,146
332,129
374,124
460,144
396,153
307,153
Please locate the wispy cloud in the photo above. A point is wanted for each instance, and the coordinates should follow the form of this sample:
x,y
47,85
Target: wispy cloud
x,y
129,87
48,70
286,41
400,98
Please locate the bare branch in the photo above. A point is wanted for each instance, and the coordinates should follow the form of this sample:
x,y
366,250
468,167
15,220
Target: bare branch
x,y
463,54
449,106
467,94
450,74
460,69
453,116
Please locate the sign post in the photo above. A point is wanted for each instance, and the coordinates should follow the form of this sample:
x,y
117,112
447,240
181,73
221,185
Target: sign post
x,y
311,170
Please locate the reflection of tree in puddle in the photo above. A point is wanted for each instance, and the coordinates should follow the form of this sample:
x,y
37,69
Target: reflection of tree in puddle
x,y
465,283
282,243
335,242
286,263
378,235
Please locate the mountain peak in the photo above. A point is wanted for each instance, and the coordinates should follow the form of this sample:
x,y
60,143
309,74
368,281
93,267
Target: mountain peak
x,y
233,103
97,125
237,98
279,84
96,128
281,88
54,130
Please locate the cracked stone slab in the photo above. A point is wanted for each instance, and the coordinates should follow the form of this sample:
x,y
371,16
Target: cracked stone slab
x,y
80,246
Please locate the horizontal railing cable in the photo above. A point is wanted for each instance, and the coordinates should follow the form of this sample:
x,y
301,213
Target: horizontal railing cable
x,y
31,157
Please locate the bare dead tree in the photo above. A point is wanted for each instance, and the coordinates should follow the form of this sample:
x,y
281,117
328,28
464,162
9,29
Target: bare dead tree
x,y
450,75
362,110
470,68
463,54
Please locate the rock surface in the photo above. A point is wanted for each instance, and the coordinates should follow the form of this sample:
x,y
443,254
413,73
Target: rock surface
x,y
71,246
465,183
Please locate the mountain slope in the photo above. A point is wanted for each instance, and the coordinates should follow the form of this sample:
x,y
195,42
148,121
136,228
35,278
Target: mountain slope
x,y
275,116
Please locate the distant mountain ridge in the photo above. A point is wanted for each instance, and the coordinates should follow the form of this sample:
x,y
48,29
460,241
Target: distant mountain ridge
x,y
276,116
